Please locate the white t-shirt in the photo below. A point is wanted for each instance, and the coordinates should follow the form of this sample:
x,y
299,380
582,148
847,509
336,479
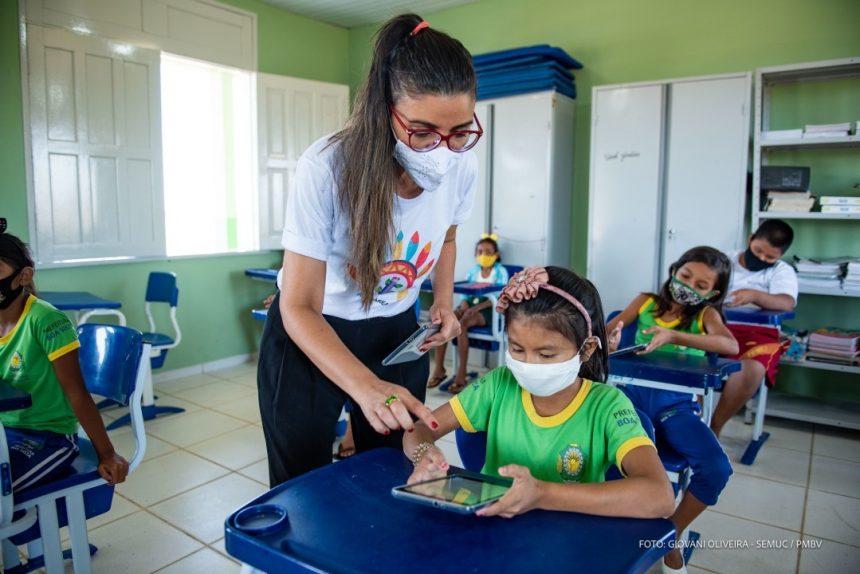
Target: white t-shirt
x,y
316,227
779,279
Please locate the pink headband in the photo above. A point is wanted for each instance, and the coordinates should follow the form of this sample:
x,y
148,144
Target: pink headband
x,y
419,27
524,286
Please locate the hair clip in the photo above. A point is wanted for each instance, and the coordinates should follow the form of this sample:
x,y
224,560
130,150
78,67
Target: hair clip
x,y
492,236
419,27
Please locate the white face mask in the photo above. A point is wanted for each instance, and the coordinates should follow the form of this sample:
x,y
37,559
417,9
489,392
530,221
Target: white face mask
x,y
426,168
544,379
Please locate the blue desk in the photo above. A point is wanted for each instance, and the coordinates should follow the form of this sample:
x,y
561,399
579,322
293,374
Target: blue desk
x,y
342,518
674,372
764,318
263,274
83,304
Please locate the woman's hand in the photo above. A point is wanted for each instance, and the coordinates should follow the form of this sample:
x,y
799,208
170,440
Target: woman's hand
x,y
661,337
614,338
524,494
443,316
396,414
432,465
113,468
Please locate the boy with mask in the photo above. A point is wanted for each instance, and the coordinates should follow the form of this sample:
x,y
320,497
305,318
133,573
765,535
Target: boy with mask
x,y
760,279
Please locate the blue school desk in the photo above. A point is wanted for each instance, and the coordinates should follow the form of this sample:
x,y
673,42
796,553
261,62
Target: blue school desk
x,y
263,274
764,318
84,305
674,372
342,518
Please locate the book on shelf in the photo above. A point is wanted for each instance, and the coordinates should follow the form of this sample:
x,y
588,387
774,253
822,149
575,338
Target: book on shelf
x,y
790,195
835,338
838,200
827,130
819,358
840,209
776,135
792,205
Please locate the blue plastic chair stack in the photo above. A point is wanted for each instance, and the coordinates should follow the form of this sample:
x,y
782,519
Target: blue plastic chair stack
x,y
524,70
111,359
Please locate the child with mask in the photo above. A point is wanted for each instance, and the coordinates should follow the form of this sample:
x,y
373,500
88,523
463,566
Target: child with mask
x,y
39,355
759,279
684,317
473,311
551,424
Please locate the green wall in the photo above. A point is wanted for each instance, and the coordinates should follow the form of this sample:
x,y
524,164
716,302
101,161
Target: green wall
x,y
215,297
622,41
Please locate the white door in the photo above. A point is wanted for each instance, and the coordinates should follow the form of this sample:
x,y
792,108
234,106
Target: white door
x,y
522,130
96,141
292,114
625,191
706,165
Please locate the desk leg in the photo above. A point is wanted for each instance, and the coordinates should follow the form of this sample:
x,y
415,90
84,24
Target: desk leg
x,y
707,405
759,436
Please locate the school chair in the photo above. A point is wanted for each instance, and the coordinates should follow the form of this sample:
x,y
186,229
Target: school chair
x,y
160,288
489,338
112,363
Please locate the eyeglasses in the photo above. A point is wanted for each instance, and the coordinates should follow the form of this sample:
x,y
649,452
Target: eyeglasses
x,y
426,139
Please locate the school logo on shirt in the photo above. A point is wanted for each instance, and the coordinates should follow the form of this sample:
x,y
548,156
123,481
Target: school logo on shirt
x,y
570,463
16,364
399,274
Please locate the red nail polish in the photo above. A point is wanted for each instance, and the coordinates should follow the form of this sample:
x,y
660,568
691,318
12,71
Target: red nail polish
x,y
410,430
435,425
387,432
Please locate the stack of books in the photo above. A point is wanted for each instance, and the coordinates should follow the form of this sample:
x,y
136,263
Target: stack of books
x,y
827,130
836,204
778,135
851,281
839,346
789,201
820,273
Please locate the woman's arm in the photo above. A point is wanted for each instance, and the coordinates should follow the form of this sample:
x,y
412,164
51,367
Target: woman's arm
x,y
645,493
301,304
112,467
441,312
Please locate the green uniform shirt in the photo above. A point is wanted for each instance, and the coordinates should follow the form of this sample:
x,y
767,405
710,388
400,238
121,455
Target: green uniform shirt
x,y
647,319
42,335
597,429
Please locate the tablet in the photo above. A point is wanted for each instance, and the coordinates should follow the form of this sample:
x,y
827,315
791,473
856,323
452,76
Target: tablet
x,y
627,350
408,349
461,493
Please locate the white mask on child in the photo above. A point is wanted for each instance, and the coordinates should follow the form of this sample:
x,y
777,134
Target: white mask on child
x,y
544,379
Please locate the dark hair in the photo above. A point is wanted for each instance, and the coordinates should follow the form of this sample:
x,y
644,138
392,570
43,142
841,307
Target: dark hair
x,y
428,62
715,260
558,314
776,232
492,242
14,253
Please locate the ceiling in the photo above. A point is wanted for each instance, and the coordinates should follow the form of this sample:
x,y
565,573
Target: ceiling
x,y
352,13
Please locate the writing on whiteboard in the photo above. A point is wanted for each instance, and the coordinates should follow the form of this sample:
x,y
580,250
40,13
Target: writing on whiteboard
x,y
620,155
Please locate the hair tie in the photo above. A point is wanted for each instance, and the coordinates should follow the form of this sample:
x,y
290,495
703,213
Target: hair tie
x,y
419,27
525,285
493,236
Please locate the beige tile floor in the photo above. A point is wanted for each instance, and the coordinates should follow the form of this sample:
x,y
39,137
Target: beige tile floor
x,y
202,464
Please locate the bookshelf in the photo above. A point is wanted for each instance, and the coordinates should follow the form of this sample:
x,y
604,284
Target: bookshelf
x,y
808,83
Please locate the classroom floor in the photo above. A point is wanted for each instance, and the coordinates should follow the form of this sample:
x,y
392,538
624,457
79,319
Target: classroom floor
x,y
202,464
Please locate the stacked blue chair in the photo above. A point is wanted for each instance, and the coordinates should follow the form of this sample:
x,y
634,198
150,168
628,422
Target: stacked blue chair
x,y
525,70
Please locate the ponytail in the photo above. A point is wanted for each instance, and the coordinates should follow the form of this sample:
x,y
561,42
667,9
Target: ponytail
x,y
404,63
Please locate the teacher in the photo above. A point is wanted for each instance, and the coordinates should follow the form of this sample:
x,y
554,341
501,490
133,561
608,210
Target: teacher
x,y
374,210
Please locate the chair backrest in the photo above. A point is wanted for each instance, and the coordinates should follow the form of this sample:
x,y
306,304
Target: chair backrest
x,y
472,447
513,269
110,359
161,288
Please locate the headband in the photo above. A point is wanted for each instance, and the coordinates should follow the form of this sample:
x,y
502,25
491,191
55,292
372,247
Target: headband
x,y
525,285
492,236
419,27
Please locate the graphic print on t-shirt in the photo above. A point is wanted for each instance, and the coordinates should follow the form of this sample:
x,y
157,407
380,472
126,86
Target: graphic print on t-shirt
x,y
400,274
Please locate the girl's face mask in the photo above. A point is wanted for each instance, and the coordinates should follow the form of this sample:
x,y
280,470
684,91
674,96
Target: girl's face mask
x,y
486,260
7,293
545,379
685,295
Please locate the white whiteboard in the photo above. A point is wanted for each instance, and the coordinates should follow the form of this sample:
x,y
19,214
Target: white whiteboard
x,y
624,192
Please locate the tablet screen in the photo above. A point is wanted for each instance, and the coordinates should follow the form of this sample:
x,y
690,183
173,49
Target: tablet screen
x,y
459,489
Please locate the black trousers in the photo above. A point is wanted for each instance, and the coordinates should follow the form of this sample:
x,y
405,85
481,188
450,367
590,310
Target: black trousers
x,y
299,406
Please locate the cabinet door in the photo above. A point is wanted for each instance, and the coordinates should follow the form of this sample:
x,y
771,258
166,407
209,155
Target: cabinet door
x,y
706,165
624,195
520,198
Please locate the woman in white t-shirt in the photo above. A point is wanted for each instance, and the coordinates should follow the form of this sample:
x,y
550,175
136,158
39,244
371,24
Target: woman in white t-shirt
x,y
373,211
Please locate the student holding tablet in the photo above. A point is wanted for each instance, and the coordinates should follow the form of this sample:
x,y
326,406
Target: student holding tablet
x,y
374,210
552,426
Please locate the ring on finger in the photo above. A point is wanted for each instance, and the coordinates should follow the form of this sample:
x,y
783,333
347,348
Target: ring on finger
x,y
391,400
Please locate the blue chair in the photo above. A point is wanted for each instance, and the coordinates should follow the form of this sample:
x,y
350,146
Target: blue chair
x,y
111,359
160,288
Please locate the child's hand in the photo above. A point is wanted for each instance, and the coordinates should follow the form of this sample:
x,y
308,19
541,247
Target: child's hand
x,y
432,465
743,297
615,337
522,496
113,468
470,312
661,337
267,302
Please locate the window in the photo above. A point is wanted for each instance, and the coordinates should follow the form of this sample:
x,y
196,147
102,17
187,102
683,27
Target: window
x,y
208,138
